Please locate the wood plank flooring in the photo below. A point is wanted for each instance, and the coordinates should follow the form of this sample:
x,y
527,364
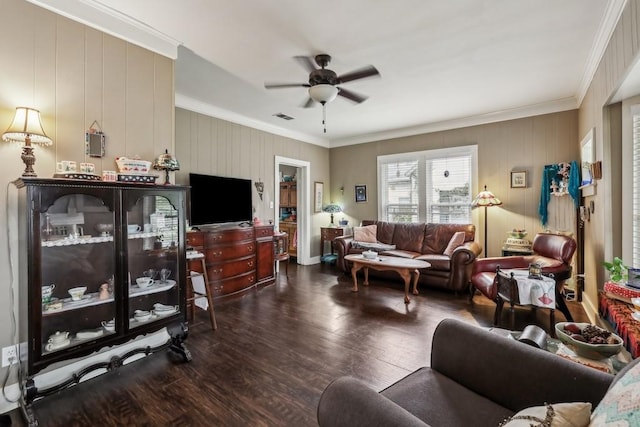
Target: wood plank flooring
x,y
275,350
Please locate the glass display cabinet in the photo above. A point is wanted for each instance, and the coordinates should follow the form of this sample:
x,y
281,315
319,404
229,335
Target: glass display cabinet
x,y
101,263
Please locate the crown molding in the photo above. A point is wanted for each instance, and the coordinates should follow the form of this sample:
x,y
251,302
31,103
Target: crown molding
x,y
607,27
96,15
564,104
194,105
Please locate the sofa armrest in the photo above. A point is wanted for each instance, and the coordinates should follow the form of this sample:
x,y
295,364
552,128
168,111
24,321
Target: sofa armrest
x,y
350,402
342,245
510,373
462,261
490,264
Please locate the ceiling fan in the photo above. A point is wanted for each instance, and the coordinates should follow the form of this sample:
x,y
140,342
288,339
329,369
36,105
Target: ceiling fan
x,y
323,82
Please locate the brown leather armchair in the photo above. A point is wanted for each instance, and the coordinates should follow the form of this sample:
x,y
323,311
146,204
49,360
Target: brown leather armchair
x,y
553,252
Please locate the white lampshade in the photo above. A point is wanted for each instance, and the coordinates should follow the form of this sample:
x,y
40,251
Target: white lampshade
x,y
26,127
323,93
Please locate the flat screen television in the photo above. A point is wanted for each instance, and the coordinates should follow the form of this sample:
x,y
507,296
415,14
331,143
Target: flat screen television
x,y
219,199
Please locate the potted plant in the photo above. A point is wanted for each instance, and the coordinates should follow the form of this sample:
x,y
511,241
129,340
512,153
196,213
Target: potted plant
x,y
617,270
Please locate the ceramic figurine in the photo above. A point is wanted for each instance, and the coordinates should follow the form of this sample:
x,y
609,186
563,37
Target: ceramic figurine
x,y
104,291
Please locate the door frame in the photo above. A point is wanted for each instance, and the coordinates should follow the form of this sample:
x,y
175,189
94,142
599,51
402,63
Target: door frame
x,y
304,203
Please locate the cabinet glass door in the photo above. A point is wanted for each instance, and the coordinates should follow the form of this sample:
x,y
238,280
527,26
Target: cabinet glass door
x,y
152,227
77,268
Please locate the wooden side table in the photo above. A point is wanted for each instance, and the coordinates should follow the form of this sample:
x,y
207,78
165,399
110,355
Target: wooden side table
x,y
327,234
281,249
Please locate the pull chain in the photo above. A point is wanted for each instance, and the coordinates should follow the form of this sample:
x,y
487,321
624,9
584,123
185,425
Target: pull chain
x,y
324,116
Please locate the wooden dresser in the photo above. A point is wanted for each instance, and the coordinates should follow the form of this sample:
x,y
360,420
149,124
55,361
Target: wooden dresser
x,y
237,258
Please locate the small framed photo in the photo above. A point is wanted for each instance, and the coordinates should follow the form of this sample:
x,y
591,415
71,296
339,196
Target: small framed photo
x,y
519,179
318,190
361,193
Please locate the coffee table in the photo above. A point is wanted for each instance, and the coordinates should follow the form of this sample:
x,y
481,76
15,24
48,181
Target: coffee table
x,y
405,267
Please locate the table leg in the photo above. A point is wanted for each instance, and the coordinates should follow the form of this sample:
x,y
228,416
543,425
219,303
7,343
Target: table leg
x,y
354,270
416,276
406,276
366,276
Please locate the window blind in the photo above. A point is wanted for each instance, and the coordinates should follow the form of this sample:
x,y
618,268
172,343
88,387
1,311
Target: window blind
x,y
636,191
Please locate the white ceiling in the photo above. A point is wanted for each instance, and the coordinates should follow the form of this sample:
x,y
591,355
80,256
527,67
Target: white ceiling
x,y
443,63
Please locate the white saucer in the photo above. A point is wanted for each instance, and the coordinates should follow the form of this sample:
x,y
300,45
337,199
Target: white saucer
x,y
93,333
60,345
165,312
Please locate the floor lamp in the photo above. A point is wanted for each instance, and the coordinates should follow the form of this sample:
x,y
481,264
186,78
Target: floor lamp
x,y
485,199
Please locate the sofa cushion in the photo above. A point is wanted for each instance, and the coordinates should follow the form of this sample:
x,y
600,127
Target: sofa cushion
x,y
620,406
449,403
408,237
437,261
456,240
556,415
400,253
366,234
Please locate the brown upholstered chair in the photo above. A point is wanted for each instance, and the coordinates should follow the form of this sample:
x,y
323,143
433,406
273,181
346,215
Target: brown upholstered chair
x,y
553,252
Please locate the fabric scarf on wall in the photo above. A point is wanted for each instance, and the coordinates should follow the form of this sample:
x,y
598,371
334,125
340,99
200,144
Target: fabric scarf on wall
x,y
561,179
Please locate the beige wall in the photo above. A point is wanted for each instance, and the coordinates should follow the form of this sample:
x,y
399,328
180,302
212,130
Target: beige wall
x,y
213,146
75,75
603,235
525,144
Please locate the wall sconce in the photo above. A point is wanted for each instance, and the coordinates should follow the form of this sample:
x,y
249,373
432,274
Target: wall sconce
x,y
259,188
342,190
26,127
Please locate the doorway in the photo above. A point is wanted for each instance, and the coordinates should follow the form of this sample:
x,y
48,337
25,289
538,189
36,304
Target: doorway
x,y
302,205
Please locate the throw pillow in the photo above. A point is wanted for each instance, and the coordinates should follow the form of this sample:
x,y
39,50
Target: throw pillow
x,y
365,234
557,415
456,240
621,405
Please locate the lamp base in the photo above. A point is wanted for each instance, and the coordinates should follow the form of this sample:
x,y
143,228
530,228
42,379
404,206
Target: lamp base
x,y
29,159
166,177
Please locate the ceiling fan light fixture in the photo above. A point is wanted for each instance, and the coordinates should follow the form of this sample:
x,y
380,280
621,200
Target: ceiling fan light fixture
x,y
323,93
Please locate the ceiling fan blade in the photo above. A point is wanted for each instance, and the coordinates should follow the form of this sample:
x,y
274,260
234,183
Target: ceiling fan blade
x,y
352,96
368,71
310,103
307,62
282,85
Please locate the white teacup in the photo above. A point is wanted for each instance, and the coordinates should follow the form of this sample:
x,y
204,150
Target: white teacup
x,y
47,291
109,325
133,228
77,293
142,316
144,282
58,338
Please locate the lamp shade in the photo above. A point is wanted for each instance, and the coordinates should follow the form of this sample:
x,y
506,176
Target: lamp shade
x,y
26,127
485,198
323,93
166,162
332,208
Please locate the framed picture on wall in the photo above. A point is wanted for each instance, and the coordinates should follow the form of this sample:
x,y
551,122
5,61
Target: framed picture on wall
x,y
361,193
519,179
318,190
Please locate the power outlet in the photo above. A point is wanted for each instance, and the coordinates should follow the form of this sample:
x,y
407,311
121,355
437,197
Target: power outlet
x,y
9,355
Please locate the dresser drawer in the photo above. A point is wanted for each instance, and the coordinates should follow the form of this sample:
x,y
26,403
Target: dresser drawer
x,y
228,236
231,268
265,231
195,239
233,285
226,252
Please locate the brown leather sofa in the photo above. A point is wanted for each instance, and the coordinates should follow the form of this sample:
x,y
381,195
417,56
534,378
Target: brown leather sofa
x,y
423,241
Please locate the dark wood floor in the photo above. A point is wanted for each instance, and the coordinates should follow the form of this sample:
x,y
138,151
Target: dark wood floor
x,y
274,352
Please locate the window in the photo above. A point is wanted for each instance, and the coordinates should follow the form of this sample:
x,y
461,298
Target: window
x,y
428,186
635,167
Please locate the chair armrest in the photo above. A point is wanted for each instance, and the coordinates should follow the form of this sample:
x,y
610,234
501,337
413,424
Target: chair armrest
x,y
466,253
342,245
510,373
350,402
490,264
